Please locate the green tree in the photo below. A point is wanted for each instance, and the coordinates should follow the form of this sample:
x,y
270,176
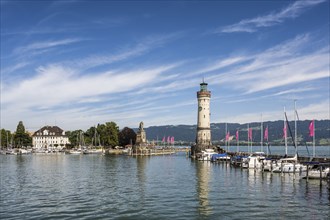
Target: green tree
x,y
74,137
5,137
22,138
112,130
126,136
90,136
108,134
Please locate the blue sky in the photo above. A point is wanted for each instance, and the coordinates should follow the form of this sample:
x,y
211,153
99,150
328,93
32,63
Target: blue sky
x,y
79,63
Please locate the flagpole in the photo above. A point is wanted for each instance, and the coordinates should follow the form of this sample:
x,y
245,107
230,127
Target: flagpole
x,y
313,138
226,141
261,136
295,127
248,138
285,138
237,139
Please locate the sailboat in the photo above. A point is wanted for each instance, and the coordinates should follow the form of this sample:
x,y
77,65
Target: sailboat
x,y
94,149
77,151
290,164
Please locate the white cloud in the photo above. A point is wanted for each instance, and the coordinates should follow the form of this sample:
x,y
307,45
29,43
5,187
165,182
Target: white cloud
x,y
57,85
252,25
144,46
44,45
318,111
14,68
281,65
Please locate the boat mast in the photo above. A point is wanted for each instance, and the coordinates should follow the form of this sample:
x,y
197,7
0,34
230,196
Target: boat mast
x,y
7,140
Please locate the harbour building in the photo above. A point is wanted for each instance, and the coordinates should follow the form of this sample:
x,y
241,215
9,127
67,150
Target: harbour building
x,y
49,138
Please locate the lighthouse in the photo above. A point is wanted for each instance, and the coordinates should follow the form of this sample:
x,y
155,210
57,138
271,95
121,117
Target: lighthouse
x,y
203,136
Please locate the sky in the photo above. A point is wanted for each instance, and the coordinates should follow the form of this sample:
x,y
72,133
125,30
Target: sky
x,y
75,63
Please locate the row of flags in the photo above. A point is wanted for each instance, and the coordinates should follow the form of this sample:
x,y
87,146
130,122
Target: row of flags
x,y
170,140
311,132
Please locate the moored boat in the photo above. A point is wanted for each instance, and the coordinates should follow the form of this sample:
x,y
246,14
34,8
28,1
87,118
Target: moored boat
x,y
206,155
288,165
255,160
318,171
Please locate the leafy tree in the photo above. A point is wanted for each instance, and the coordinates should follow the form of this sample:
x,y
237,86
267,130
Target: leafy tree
x,y
108,134
126,136
5,137
89,135
22,138
74,137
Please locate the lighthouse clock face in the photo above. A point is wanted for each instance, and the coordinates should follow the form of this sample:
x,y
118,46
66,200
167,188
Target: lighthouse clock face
x,y
200,108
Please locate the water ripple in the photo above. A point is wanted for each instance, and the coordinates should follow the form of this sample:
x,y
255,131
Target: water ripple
x,y
112,187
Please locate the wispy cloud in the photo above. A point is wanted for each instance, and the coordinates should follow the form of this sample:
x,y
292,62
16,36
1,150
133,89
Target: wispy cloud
x,y
58,85
38,46
140,48
252,25
281,65
14,68
319,111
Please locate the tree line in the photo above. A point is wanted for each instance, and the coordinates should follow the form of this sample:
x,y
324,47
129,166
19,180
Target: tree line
x,y
107,135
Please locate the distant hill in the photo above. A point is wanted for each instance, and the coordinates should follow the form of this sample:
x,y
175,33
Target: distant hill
x,y
187,133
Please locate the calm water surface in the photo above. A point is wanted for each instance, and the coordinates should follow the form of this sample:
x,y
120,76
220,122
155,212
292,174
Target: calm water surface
x,y
160,187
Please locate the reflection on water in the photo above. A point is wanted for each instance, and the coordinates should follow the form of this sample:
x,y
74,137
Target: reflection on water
x,y
164,187
203,174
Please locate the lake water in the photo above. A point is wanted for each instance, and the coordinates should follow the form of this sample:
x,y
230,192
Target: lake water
x,y
160,187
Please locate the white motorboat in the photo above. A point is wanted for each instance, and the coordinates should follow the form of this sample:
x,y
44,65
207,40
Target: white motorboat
x,y
255,160
74,151
206,155
93,151
317,172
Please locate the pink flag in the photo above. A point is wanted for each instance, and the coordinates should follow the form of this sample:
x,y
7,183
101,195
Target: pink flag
x,y
284,131
266,134
227,136
168,139
172,140
237,136
250,134
163,139
311,128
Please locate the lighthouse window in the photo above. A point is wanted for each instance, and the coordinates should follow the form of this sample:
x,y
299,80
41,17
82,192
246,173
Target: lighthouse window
x,y
204,116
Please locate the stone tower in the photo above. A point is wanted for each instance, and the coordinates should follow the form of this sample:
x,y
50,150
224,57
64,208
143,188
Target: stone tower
x,y
203,137
141,137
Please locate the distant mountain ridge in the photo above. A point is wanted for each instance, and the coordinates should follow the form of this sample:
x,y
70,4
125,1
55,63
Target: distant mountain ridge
x,y
187,133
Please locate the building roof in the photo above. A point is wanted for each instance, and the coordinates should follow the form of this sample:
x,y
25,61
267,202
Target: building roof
x,y
49,131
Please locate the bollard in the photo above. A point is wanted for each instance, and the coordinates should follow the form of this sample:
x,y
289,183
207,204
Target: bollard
x,y
307,172
281,168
